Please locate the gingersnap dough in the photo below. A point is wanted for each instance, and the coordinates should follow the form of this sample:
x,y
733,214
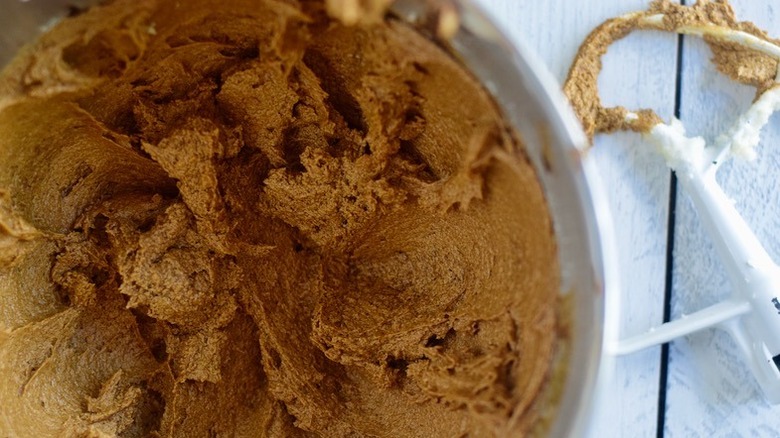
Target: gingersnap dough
x,y
242,218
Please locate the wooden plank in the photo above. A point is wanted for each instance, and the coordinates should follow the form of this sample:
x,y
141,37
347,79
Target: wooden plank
x,y
639,72
711,392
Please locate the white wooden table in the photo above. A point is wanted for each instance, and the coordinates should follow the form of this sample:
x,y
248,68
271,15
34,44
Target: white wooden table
x,y
698,386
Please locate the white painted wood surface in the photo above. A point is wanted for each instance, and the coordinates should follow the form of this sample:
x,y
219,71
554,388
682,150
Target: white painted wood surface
x,y
710,392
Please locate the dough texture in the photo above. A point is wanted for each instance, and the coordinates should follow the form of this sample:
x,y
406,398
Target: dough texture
x,y
244,218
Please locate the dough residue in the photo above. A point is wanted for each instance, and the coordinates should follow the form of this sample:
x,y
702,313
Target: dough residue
x,y
733,55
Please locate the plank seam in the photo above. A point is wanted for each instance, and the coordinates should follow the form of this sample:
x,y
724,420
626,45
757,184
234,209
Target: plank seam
x,y
669,275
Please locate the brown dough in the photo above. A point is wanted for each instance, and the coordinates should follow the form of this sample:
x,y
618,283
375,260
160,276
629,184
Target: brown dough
x,y
241,218
738,62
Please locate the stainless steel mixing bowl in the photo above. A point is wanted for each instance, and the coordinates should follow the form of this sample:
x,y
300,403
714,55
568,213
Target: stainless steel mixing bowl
x,y
533,103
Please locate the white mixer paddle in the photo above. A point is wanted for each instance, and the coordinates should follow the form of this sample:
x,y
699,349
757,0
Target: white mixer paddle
x,y
752,315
